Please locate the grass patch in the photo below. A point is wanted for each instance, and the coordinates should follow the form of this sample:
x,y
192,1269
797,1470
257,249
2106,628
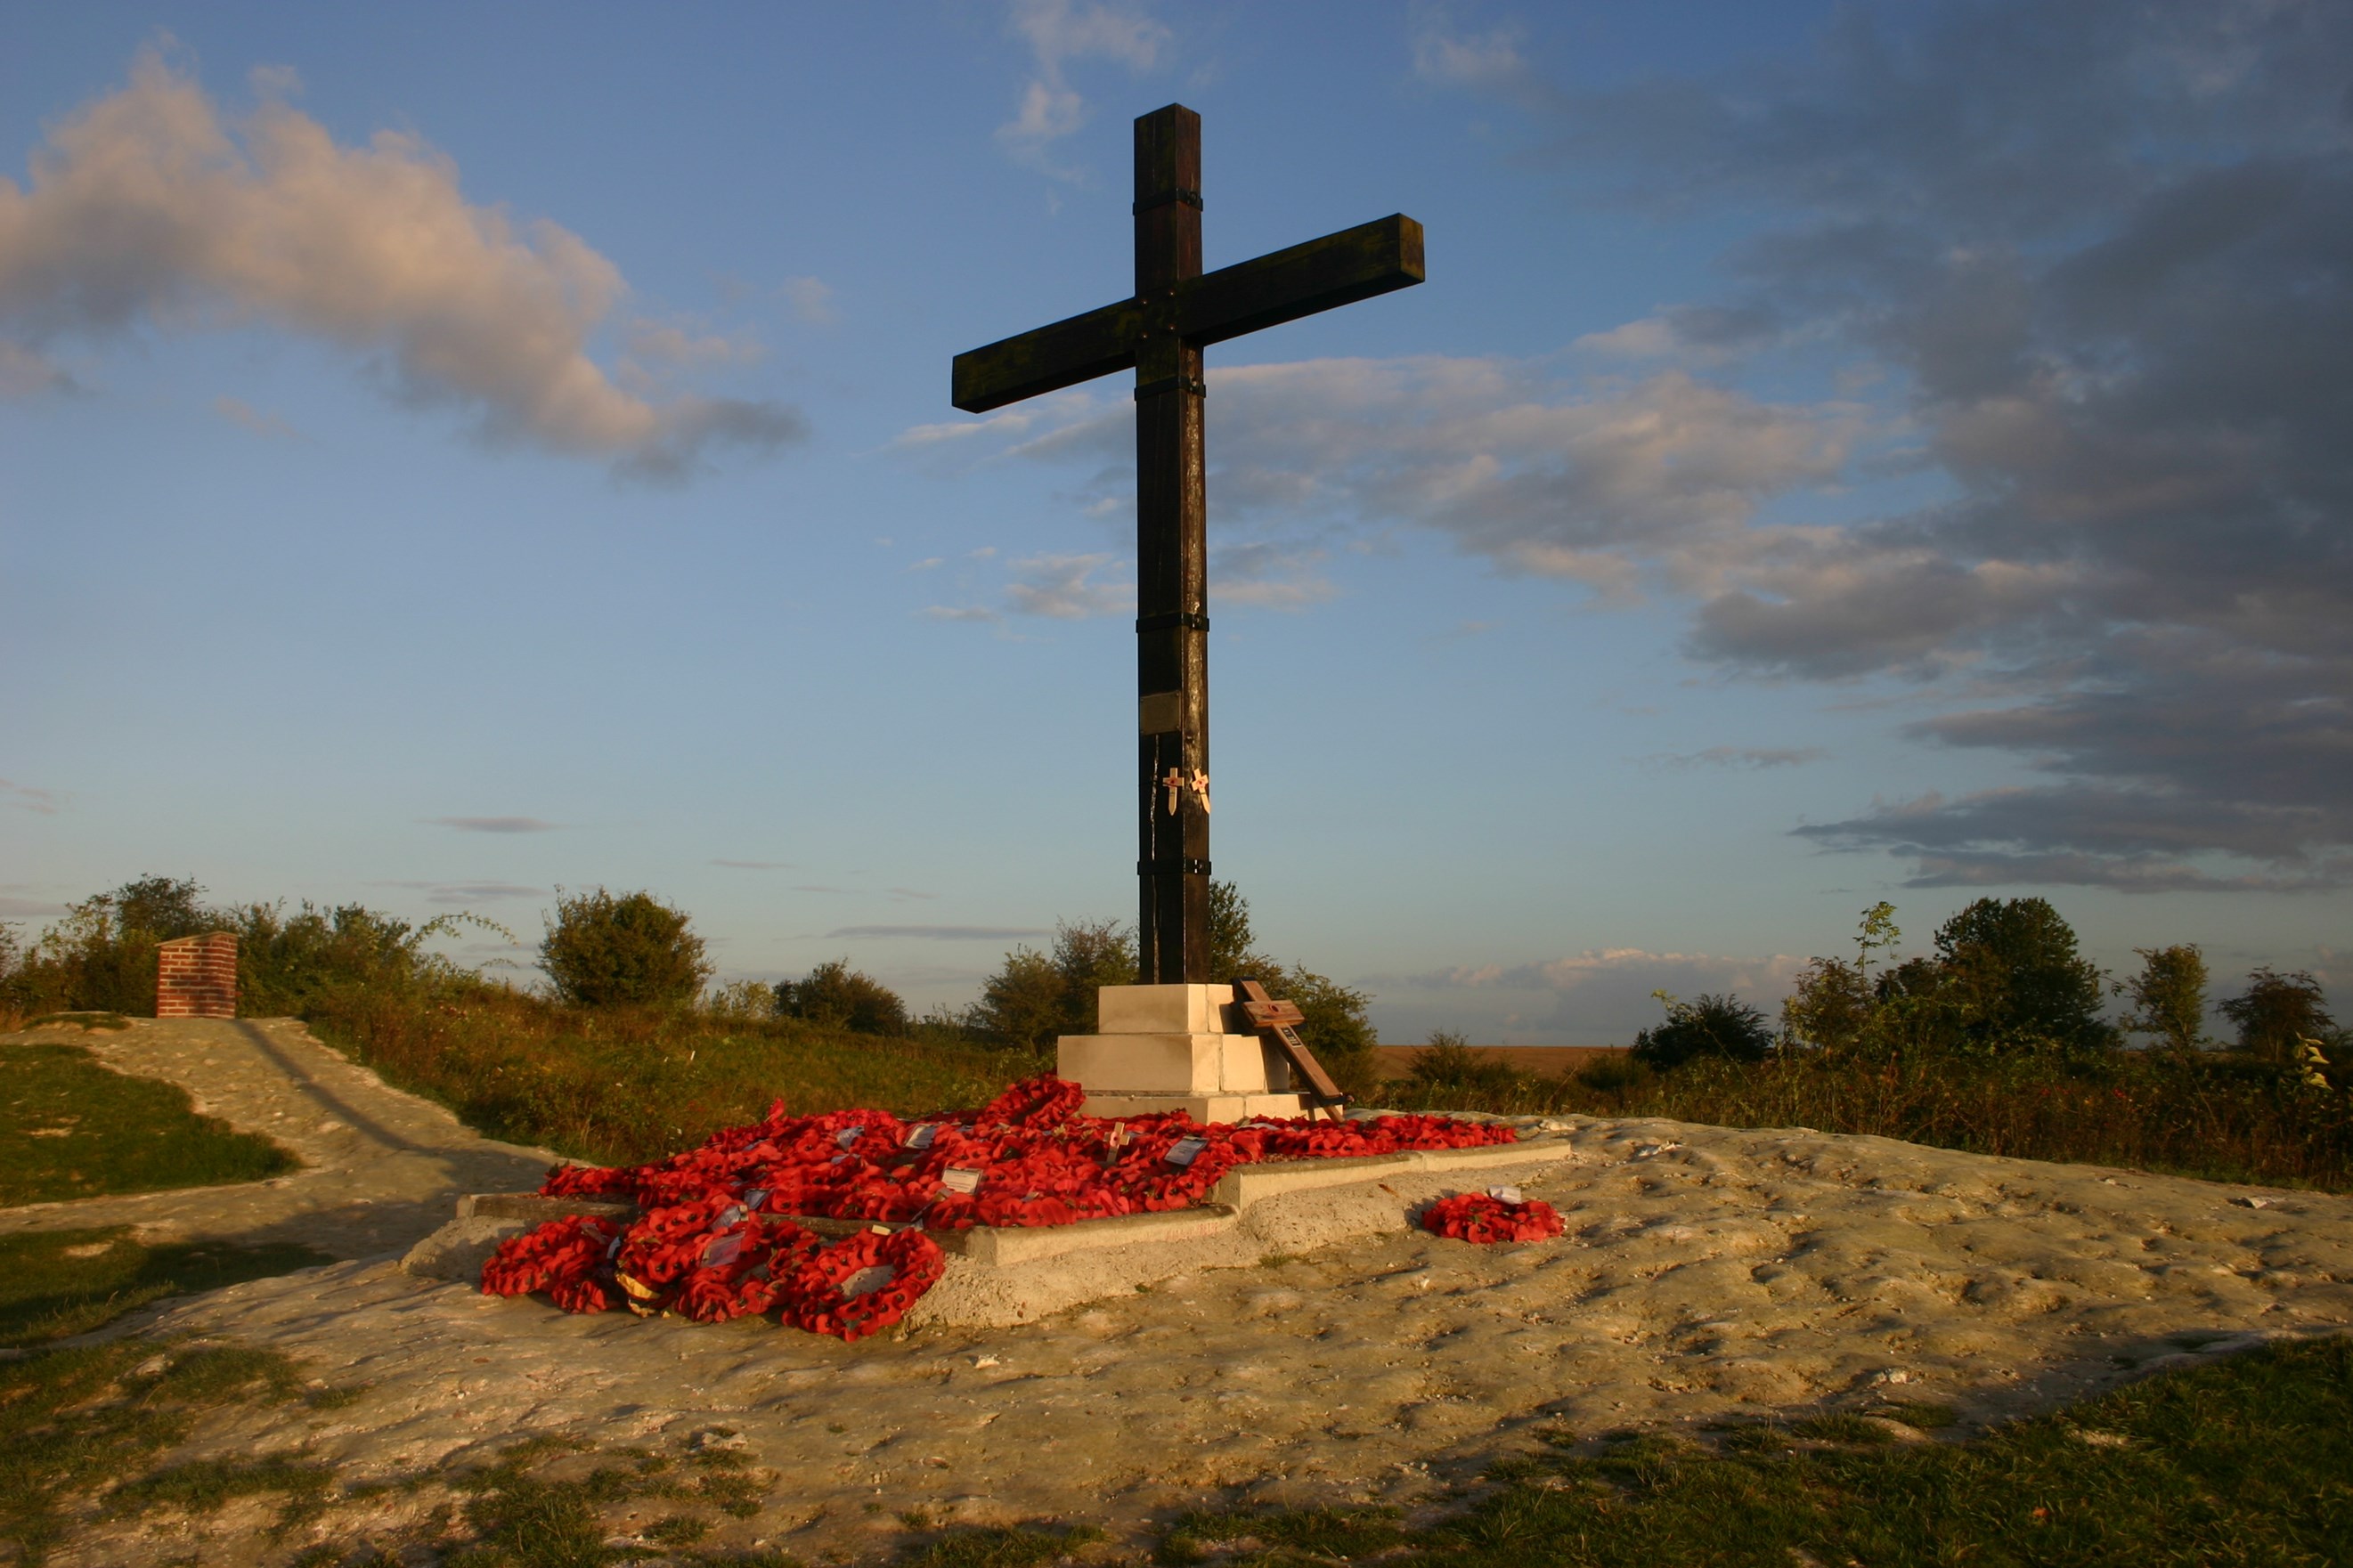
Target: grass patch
x,y
74,1421
628,1085
546,1503
71,1128
55,1283
85,1021
2247,1461
1023,1547
2216,1117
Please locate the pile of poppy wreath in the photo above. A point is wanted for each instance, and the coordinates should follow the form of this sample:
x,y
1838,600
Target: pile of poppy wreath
x,y
714,1240
1497,1214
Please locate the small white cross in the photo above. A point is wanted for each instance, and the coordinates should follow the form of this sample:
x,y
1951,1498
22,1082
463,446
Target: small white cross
x,y
1180,782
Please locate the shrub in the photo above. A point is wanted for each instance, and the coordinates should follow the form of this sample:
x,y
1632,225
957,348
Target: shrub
x,y
836,997
1617,1075
1832,1006
2005,978
1337,1027
1446,1064
1231,939
634,950
2011,968
285,964
2169,996
101,957
1035,997
743,1001
2276,1011
1710,1026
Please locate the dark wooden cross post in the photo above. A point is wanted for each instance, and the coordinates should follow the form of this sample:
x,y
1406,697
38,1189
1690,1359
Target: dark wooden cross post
x,y
1176,313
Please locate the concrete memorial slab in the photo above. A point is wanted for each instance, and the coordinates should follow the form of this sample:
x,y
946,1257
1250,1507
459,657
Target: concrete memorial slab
x,y
1173,1047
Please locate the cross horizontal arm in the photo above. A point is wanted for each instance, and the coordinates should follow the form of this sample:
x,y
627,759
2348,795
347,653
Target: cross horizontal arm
x,y
1282,286
1048,359
1301,279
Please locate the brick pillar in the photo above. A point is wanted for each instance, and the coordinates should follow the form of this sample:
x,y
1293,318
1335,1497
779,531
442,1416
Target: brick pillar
x,y
196,977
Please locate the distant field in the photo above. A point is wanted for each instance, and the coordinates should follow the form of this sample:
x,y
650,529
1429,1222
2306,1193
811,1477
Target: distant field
x,y
1395,1061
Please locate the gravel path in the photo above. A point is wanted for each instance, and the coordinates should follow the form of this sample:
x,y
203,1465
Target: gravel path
x,y
380,1168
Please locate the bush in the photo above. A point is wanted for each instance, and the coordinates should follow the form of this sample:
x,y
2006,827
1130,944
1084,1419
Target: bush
x,y
286,964
743,1001
836,997
1710,1027
1338,1029
2005,978
2277,1011
2169,996
2012,971
1446,1064
101,957
634,950
1035,996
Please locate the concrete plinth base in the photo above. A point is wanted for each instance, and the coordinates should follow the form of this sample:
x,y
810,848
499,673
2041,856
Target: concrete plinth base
x,y
1199,1107
1174,1048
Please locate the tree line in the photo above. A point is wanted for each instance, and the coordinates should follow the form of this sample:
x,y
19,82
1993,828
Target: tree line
x,y
603,950
2005,978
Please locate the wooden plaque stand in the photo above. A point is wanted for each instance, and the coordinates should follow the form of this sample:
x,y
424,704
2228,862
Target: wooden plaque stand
x,y
1274,1020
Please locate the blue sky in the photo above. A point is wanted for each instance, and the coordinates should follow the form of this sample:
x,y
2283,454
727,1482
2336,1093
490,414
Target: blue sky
x,y
1840,453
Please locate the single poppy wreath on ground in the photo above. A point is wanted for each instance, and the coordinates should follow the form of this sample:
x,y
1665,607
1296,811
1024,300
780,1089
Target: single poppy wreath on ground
x,y
715,1241
1492,1216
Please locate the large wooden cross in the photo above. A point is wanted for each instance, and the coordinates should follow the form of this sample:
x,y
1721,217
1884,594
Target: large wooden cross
x,y
1177,311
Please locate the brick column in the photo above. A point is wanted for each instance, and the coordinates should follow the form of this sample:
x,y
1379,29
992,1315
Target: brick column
x,y
196,977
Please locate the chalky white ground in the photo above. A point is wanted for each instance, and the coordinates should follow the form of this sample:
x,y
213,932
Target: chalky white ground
x,y
1706,1272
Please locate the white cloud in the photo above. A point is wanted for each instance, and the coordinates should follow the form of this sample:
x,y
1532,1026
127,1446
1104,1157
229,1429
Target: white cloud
x,y
25,797
25,372
144,205
243,415
675,345
1650,338
466,892
1741,757
1060,587
1489,61
1597,483
1058,32
14,907
1268,576
811,299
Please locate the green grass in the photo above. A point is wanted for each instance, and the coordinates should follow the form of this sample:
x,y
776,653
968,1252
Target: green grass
x,y
55,1283
84,1021
548,1504
75,1422
2246,1462
2218,1117
628,1085
71,1128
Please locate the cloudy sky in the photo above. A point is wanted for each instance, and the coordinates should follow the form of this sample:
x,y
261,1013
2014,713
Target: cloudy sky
x,y
1841,453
